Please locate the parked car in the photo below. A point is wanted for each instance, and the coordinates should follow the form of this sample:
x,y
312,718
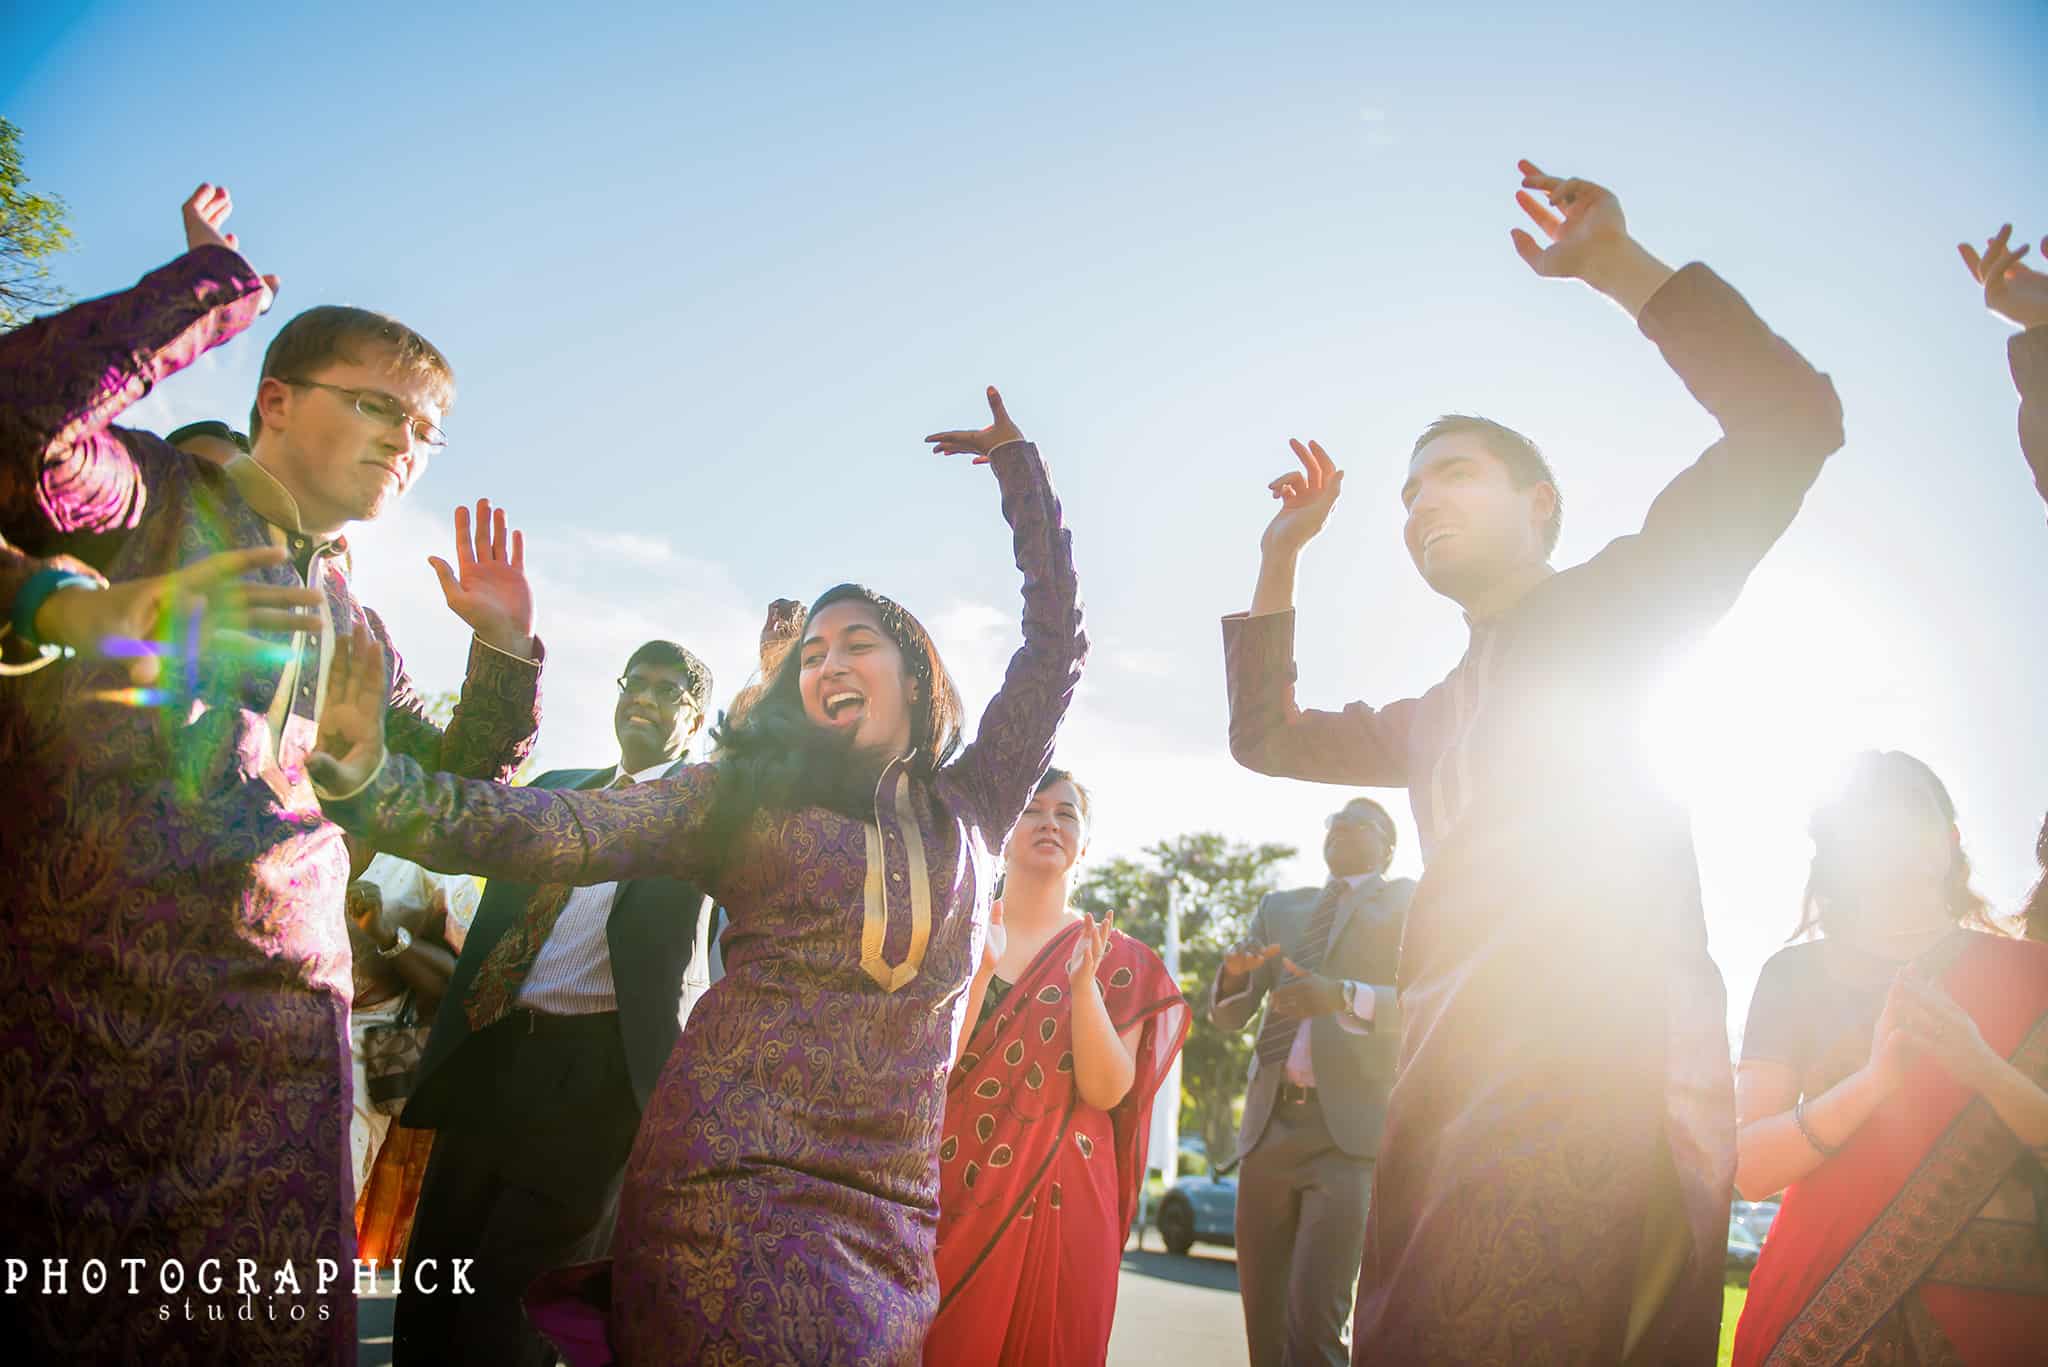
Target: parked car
x,y
1198,1210
1748,1223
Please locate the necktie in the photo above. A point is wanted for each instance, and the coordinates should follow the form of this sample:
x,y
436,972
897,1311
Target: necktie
x,y
1276,1036
504,970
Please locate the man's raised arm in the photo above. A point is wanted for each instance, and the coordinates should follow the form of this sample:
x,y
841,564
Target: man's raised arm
x,y
2019,294
1268,733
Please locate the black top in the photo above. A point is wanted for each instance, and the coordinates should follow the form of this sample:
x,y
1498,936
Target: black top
x,y
992,999
1810,1021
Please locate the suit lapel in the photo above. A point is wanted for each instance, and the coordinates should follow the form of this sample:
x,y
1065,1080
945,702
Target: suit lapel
x,y
1353,900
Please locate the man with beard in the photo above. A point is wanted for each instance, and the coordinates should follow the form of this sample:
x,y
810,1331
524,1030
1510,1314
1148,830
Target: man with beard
x,y
174,962
1554,1178
1323,960
564,1006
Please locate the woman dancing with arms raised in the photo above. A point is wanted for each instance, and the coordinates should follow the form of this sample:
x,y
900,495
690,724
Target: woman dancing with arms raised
x,y
781,1200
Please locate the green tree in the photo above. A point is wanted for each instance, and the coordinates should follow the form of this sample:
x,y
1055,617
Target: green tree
x,y
32,229
1220,883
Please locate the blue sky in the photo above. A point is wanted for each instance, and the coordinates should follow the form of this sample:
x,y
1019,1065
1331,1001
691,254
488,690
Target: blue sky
x,y
706,275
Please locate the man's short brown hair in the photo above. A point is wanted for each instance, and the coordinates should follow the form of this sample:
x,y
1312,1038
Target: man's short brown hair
x,y
1525,462
331,332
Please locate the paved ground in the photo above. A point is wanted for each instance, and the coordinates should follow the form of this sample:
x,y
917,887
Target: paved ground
x,y
1181,1311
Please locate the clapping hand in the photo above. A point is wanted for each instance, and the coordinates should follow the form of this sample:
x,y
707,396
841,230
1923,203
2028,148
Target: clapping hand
x,y
1088,950
1243,959
982,442
205,212
351,741
1306,994
2012,291
1306,497
487,586
1937,1027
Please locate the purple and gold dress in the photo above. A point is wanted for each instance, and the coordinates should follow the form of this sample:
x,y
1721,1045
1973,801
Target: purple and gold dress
x,y
781,1202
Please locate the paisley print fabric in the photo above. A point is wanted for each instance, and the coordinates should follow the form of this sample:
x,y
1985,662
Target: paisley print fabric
x,y
174,968
782,1196
1554,1177
1037,1187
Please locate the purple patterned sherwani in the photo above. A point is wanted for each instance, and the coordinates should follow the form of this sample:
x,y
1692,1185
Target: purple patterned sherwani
x,y
781,1202
174,966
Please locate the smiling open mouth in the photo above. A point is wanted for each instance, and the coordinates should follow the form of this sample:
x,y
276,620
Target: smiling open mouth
x,y
844,706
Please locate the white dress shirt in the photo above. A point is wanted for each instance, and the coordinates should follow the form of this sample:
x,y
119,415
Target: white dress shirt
x,y
572,975
1356,1016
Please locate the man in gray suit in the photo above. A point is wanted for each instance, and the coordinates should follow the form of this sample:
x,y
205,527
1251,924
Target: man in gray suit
x,y
1323,961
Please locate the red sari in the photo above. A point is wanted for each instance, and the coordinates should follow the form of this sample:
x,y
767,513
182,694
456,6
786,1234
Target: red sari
x,y
1876,1257
1037,1187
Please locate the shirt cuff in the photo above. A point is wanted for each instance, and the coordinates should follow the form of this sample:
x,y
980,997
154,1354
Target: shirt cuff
x,y
539,651
1357,1017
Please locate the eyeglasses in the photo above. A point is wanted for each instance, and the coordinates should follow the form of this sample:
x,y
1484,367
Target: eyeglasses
x,y
667,694
380,407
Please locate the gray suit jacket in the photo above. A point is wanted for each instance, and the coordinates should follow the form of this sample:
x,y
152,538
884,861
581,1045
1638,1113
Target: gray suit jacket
x,y
1353,1071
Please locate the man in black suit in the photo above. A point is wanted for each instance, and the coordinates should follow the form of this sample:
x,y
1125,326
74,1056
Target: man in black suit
x,y
1323,960
562,1011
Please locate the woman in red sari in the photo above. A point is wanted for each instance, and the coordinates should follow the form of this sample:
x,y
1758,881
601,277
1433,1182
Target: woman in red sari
x,y
1892,1084
1047,1111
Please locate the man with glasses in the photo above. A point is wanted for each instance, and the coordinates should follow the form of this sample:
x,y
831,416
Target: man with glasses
x,y
564,1006
1323,961
174,958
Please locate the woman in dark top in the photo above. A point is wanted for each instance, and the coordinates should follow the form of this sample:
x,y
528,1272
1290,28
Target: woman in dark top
x,y
1892,1084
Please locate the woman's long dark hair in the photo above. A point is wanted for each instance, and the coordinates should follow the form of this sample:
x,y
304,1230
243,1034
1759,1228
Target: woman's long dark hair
x,y
1837,818
772,757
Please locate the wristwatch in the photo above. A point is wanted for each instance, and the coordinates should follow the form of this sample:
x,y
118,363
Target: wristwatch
x,y
397,946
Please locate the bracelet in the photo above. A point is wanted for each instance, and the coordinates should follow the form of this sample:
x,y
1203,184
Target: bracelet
x,y
30,599
397,946
1799,1119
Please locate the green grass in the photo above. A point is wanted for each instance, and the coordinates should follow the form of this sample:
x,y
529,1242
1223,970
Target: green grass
x,y
1732,1298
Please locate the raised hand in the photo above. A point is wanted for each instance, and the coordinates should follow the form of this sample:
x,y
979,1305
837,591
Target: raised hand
x,y
1588,238
1088,950
982,442
1306,994
487,586
1306,497
2012,291
351,741
1588,221
207,607
205,213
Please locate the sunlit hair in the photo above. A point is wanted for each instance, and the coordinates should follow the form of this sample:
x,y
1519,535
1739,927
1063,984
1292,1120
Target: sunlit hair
x,y
321,336
1083,799
1525,463
774,758
1871,779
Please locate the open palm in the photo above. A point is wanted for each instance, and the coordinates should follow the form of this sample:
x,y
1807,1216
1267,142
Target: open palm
x,y
351,743
2012,291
